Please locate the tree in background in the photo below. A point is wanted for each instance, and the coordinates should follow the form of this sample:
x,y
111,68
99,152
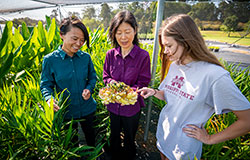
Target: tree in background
x,y
137,9
134,6
54,14
91,23
230,24
198,23
88,12
247,27
239,9
175,8
153,10
29,22
89,17
204,11
146,22
74,14
242,11
105,15
123,6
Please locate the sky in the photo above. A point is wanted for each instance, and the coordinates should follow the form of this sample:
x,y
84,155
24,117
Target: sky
x,y
39,14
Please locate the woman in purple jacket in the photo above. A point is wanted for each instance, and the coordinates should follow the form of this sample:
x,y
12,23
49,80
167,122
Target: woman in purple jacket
x,y
127,63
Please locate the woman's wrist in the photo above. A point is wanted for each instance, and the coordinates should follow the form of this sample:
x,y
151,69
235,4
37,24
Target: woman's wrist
x,y
155,92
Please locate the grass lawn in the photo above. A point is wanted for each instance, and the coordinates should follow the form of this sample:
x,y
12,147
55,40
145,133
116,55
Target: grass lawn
x,y
217,36
222,37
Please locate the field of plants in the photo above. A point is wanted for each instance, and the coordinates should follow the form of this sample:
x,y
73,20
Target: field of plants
x,y
29,128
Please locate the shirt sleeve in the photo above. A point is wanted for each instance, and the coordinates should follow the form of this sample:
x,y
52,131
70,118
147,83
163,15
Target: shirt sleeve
x,y
106,70
225,96
47,81
144,76
91,76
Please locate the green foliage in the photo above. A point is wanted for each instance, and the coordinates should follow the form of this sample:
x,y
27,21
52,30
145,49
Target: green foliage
x,y
237,8
240,77
19,21
231,24
105,15
210,25
99,45
91,23
204,11
23,50
238,148
89,12
175,8
31,130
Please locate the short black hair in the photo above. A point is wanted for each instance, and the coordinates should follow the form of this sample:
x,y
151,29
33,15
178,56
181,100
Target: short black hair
x,y
73,21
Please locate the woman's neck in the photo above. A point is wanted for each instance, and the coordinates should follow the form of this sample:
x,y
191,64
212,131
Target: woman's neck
x,y
187,60
68,52
126,51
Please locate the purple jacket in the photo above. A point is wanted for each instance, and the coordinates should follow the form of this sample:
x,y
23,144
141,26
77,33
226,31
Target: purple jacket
x,y
134,71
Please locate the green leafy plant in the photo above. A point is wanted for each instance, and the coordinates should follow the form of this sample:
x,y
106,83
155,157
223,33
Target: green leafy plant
x,y
31,130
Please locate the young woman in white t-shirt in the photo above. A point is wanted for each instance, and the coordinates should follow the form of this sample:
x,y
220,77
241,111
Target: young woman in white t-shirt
x,y
196,86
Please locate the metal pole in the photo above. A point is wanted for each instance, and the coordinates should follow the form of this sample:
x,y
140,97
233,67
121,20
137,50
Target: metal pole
x,y
60,13
159,17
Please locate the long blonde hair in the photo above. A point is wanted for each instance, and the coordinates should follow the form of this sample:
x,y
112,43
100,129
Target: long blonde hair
x,y
183,29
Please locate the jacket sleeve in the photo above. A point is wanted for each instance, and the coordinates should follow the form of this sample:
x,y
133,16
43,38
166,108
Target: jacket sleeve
x,y
91,76
47,81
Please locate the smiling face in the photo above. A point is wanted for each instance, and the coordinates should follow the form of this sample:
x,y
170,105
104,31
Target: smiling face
x,y
72,41
125,35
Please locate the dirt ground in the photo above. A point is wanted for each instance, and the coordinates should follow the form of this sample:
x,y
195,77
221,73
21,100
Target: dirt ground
x,y
147,150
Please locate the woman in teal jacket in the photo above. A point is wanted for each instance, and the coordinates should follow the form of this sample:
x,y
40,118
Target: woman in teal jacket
x,y
70,69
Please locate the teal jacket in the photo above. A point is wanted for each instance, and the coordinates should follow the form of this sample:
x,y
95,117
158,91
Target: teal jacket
x,y
60,71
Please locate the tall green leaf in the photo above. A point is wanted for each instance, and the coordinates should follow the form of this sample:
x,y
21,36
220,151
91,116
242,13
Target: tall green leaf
x,y
52,31
25,31
5,66
7,33
48,22
17,38
41,34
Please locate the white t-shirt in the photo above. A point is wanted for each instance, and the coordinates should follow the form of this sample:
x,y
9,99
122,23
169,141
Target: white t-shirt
x,y
193,92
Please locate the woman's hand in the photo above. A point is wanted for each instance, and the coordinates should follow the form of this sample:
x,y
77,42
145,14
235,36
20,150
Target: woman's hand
x,y
146,92
197,133
86,94
113,81
55,106
238,128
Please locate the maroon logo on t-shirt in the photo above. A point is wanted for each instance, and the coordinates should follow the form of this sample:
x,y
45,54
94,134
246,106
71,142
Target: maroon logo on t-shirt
x,y
178,81
175,88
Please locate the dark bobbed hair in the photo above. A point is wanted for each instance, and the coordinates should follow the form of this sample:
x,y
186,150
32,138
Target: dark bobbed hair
x,y
119,18
69,22
183,29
